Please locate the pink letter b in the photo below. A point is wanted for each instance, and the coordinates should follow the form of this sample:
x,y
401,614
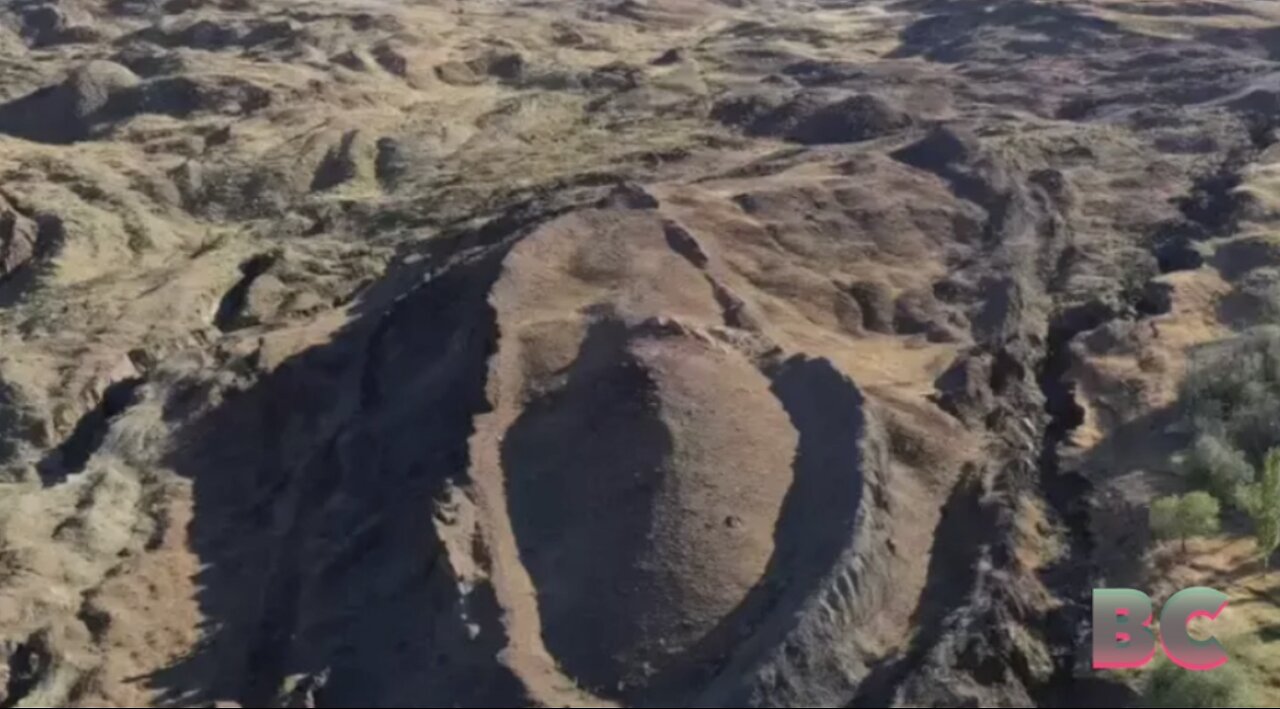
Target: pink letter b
x,y
1122,636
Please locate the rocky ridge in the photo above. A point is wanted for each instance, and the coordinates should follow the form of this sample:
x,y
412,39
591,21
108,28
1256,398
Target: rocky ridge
x,y
597,353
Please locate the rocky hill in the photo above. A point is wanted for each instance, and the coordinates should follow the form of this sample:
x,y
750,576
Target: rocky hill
x,y
605,352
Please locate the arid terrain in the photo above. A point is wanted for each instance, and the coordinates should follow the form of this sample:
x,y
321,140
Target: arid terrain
x,y
554,353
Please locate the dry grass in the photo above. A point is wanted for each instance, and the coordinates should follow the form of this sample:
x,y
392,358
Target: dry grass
x,y
1250,626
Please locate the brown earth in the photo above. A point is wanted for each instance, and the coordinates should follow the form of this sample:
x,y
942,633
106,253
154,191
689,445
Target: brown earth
x,y
607,352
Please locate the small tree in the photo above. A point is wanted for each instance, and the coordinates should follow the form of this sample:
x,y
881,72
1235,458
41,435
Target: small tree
x,y
1180,517
1171,686
1262,501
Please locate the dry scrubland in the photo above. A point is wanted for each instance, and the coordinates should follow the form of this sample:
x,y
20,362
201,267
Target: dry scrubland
x,y
624,352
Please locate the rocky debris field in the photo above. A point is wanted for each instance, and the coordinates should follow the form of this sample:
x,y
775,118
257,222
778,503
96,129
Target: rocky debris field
x,y
604,352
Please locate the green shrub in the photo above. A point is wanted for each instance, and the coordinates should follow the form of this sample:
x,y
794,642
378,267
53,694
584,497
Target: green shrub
x,y
1232,392
1262,501
1171,686
1216,466
1195,514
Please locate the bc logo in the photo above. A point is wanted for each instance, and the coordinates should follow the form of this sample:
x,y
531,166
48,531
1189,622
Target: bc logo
x,y
1123,637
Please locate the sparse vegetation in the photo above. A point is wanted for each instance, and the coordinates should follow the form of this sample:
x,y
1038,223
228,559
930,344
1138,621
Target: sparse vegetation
x,y
1232,393
629,352
1232,399
1218,467
1262,501
1256,298
1171,686
1231,402
1181,517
